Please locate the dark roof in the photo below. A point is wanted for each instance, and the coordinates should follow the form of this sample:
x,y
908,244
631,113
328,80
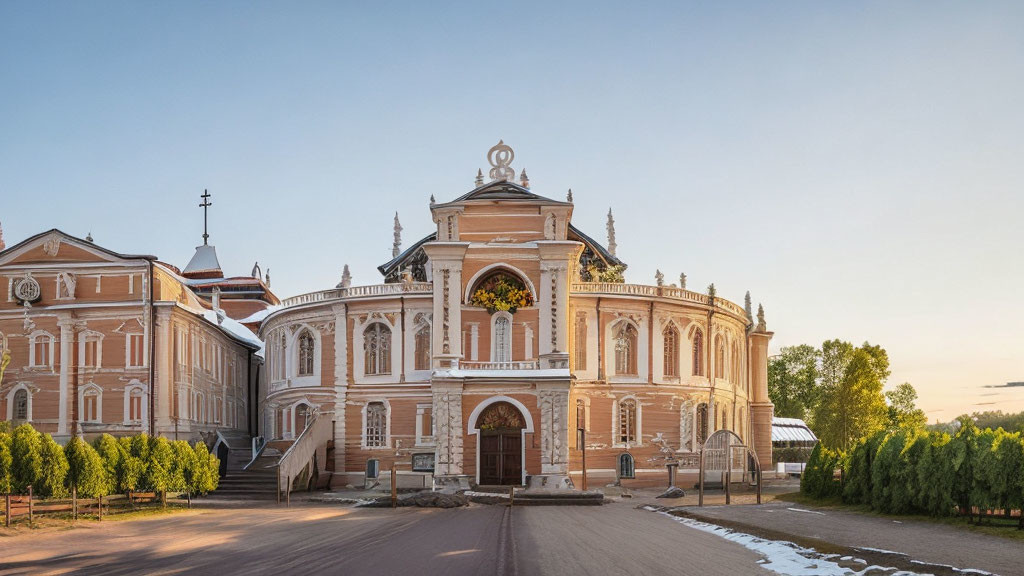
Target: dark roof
x,y
396,262
81,241
503,190
598,249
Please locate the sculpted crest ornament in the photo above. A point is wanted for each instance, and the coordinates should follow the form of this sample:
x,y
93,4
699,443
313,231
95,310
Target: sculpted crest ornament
x,y
27,289
500,157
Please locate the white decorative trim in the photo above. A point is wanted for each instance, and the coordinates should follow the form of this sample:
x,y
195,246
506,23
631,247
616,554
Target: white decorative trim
x,y
387,424
144,413
10,401
32,349
639,423
494,340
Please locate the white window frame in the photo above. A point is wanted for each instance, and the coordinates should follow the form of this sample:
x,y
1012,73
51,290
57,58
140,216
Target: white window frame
x,y
494,337
87,390
616,442
90,336
32,349
143,413
28,402
421,413
387,425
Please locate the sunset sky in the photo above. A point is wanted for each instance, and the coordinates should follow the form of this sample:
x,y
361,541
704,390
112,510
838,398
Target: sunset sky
x,y
859,167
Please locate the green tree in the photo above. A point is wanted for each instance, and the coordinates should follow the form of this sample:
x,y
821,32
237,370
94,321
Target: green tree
x,y
26,447
207,470
110,452
158,467
6,463
53,469
184,470
793,380
85,469
851,405
132,468
903,411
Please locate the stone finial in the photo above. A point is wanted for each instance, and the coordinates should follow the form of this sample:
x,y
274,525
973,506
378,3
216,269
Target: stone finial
x,y
432,201
746,306
682,280
500,156
568,197
524,180
346,278
2,245
659,278
256,272
88,237
761,326
479,178
396,247
267,280
712,292
611,232
216,298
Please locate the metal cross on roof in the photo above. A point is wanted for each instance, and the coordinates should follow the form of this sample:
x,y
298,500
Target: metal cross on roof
x,y
206,208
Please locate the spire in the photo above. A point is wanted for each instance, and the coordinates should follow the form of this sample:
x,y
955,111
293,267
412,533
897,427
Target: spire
x,y
346,278
206,209
432,201
712,292
682,280
88,237
479,178
2,245
611,232
524,180
746,306
256,273
659,278
761,326
396,248
568,197
267,282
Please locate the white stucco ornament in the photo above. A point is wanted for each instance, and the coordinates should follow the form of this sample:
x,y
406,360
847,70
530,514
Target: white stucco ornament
x,y
27,289
500,156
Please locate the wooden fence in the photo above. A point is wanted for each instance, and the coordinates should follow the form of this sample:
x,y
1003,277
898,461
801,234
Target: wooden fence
x,y
15,505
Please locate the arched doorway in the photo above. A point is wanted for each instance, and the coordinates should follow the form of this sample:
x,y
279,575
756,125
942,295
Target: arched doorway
x,y
500,448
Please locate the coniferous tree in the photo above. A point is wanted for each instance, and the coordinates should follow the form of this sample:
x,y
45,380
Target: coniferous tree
x,y
26,448
86,472
6,463
53,469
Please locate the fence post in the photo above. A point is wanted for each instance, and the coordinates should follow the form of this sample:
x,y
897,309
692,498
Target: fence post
x,y
278,486
99,508
288,492
759,473
29,505
74,502
700,480
728,476
394,487
7,511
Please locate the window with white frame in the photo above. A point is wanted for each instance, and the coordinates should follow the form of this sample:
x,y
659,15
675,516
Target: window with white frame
x,y
580,342
377,349
136,350
501,337
307,352
136,395
20,412
627,468
92,350
421,348
671,351
627,422
91,402
698,352
376,425
626,349
41,349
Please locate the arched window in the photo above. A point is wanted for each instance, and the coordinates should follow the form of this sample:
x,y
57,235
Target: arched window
x,y
20,412
422,348
719,358
376,425
627,421
626,466
671,336
377,348
91,405
702,424
281,356
698,353
307,353
625,349
580,347
302,413
502,337
135,399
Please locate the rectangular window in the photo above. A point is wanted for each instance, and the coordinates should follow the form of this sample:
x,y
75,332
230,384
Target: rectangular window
x,y
91,408
41,351
91,359
135,406
135,350
376,425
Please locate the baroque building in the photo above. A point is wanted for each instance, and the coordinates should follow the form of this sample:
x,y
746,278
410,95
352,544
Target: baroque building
x,y
103,342
505,343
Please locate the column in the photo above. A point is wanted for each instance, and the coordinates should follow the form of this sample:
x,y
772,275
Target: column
x,y
67,342
447,411
340,384
164,386
446,261
761,408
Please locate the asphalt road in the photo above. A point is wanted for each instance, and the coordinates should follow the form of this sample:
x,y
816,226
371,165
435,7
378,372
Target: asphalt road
x,y
316,539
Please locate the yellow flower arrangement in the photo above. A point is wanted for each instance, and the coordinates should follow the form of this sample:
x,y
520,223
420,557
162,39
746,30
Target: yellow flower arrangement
x,y
501,293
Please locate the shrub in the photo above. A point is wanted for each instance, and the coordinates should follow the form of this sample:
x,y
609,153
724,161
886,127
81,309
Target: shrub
x,y
960,454
906,491
183,467
935,477
86,472
982,493
207,470
1007,480
818,478
132,467
883,470
857,473
26,445
110,453
6,480
53,469
159,464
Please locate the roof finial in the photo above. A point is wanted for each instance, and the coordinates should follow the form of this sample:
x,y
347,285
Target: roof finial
x,y
659,278
346,278
206,208
479,177
396,248
611,232
682,280
2,245
568,197
267,281
712,293
256,272
432,200
524,180
500,156
746,306
761,326
88,237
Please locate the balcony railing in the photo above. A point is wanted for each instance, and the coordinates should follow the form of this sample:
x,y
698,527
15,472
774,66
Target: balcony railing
x,y
359,292
655,291
518,365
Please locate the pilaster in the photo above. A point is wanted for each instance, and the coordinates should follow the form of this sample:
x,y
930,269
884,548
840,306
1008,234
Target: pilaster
x,y
340,384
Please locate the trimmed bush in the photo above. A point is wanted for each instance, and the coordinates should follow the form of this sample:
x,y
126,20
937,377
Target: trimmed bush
x,y
935,477
158,466
110,453
183,469
132,466
6,462
53,470
26,447
207,474
86,472
818,478
857,471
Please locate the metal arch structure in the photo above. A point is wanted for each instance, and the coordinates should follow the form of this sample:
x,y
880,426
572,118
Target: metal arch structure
x,y
720,451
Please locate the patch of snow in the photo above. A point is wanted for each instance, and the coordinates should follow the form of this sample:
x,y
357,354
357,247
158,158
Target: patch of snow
x,y
485,494
234,328
257,317
807,511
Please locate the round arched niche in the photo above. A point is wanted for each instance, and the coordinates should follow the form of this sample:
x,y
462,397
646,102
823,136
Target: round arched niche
x,y
500,416
488,273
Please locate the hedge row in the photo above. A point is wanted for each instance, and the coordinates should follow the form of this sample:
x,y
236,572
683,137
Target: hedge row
x,y
108,466
917,471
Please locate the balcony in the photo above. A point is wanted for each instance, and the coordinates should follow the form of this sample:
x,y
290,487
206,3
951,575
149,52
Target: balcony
x,y
519,365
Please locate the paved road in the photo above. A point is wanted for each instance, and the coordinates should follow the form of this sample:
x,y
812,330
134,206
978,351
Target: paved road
x,y
491,540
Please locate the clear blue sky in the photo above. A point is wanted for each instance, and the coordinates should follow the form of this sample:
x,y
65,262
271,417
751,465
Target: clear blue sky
x,y
858,166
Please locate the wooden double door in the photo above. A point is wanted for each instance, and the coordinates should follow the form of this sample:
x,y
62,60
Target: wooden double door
x,y
501,457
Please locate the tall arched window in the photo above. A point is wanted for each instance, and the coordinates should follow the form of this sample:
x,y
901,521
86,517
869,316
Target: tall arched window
x,y
698,353
20,412
377,346
702,424
91,405
307,353
580,345
625,349
281,357
135,398
502,338
376,425
422,348
627,468
627,421
671,336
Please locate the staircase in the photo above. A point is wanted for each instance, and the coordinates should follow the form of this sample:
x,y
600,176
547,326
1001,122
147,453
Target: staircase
x,y
259,482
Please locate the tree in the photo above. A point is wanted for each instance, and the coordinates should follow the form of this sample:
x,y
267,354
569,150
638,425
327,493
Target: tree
x,y
903,411
850,405
6,462
26,445
85,469
110,453
53,469
132,468
207,470
793,380
158,467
